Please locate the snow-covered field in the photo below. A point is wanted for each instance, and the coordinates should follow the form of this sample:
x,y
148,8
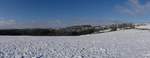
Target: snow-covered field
x,y
119,44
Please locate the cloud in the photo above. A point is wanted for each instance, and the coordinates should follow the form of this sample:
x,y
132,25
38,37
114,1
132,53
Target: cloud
x,y
134,8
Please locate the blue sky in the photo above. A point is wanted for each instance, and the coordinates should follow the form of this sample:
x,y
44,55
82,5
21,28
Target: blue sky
x,y
58,13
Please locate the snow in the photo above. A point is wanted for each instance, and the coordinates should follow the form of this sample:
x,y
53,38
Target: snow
x,y
118,44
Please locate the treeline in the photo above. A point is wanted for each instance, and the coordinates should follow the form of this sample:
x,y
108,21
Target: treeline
x,y
44,32
36,32
68,31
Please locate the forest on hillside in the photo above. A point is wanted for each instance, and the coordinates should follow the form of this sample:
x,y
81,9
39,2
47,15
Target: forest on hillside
x,y
67,31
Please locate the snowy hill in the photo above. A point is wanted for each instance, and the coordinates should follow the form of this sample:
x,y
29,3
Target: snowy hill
x,y
118,44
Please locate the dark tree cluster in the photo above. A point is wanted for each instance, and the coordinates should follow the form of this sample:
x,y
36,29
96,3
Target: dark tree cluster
x,y
33,32
78,30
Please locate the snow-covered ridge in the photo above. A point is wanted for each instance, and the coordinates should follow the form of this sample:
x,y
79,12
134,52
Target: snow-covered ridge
x,y
132,43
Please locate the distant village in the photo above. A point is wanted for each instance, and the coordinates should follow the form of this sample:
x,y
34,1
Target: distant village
x,y
68,31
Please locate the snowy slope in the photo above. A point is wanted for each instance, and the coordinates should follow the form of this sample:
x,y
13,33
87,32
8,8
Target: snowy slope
x,y
118,44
